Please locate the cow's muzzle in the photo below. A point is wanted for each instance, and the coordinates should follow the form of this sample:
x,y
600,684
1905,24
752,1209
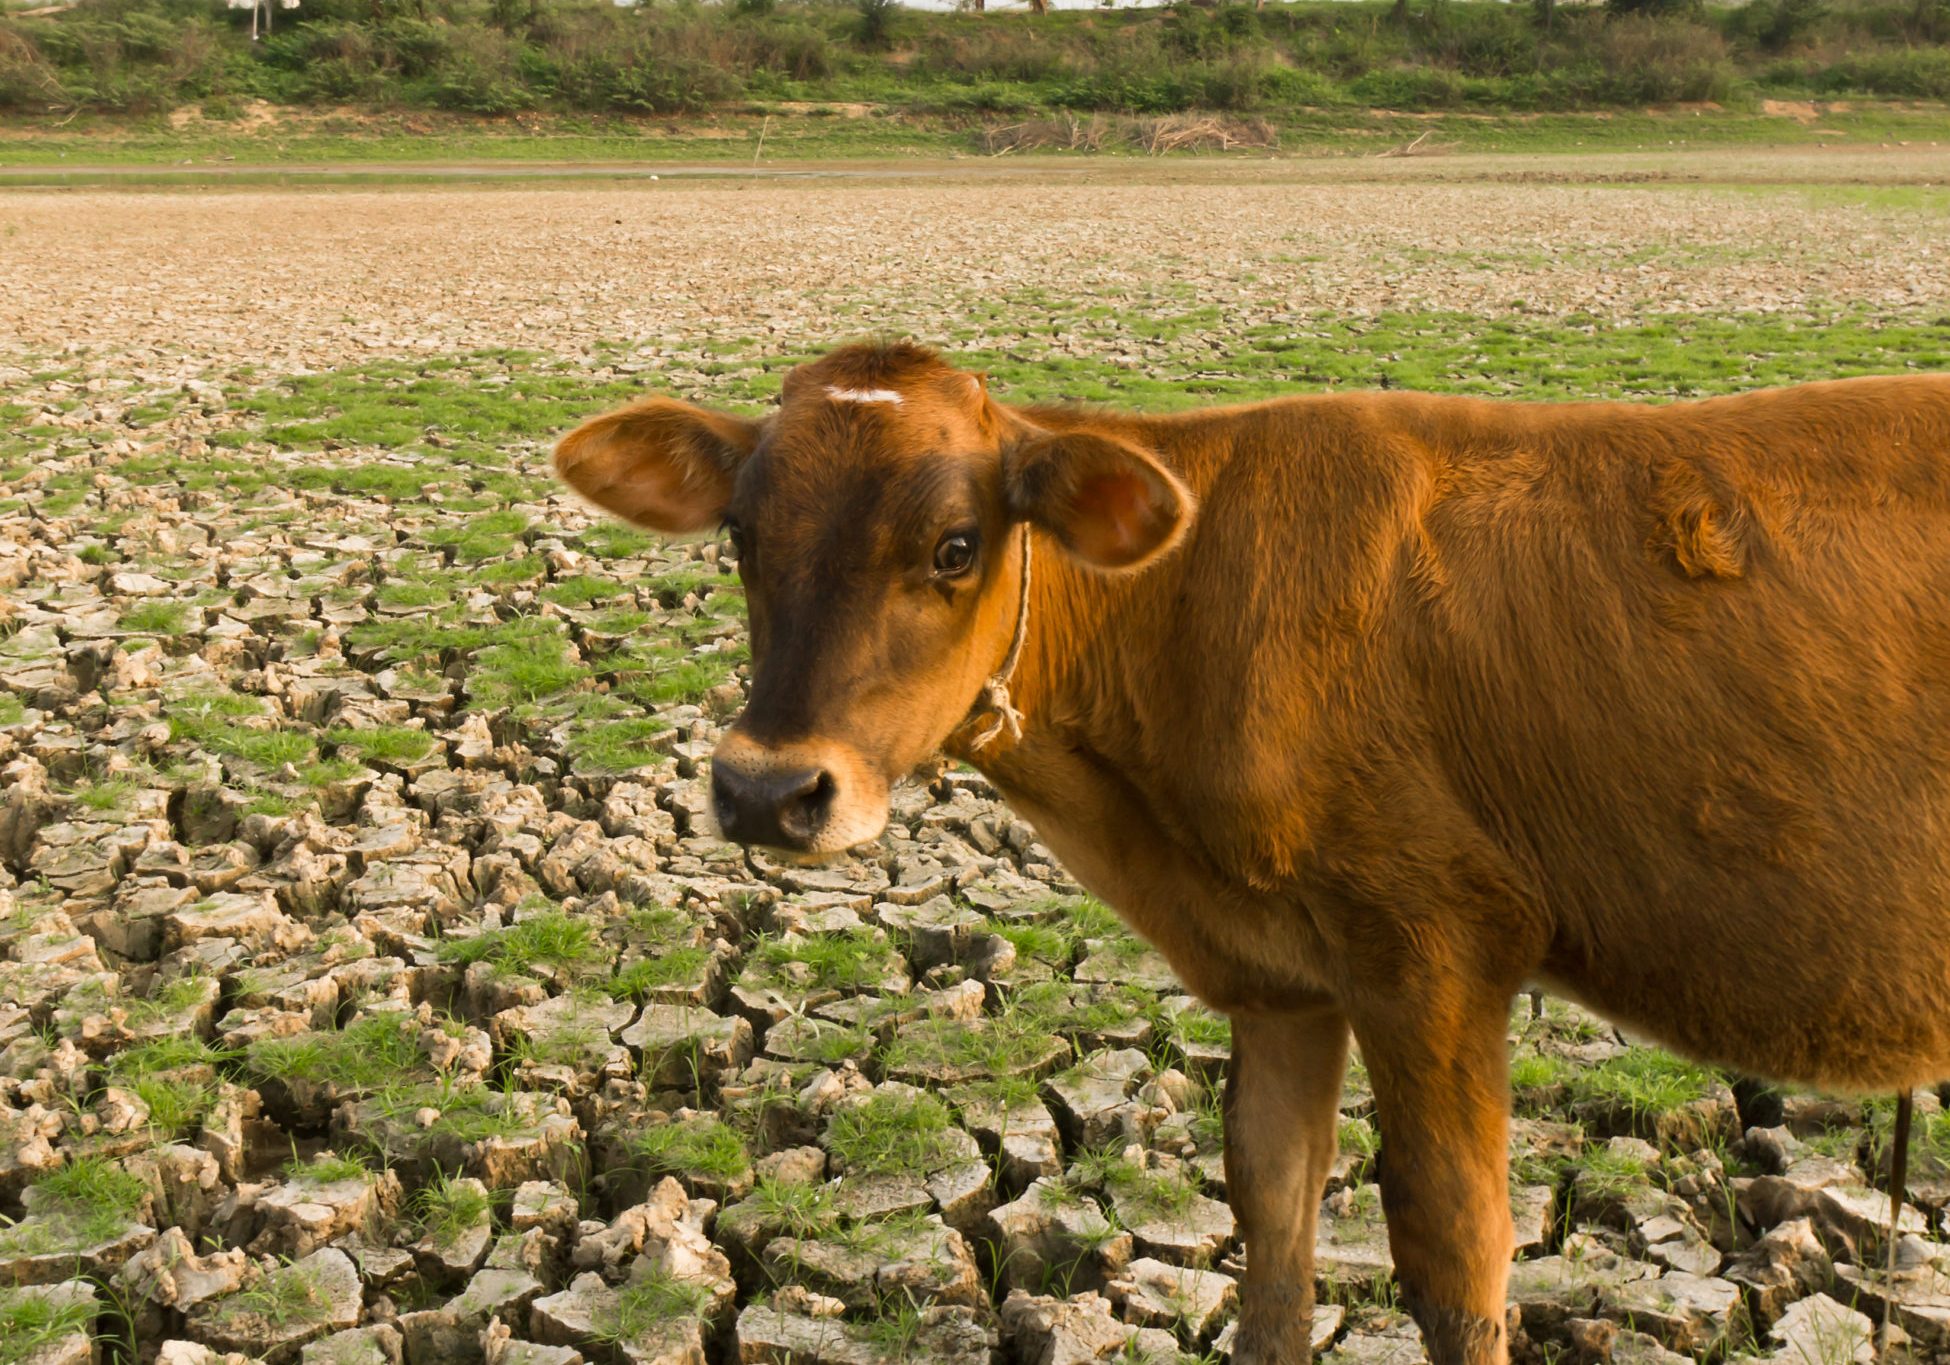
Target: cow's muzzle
x,y
783,807
806,797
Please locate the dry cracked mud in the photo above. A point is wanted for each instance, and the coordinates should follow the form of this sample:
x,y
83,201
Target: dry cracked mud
x,y
372,990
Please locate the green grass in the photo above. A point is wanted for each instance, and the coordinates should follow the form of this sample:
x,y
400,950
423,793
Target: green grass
x,y
175,1077
468,1112
95,1183
168,999
795,1210
1490,356
1643,1082
85,1202
1086,916
1143,1195
285,1295
1052,943
619,746
1929,1136
1202,1027
156,618
550,939
847,961
29,1323
485,537
384,743
446,1208
585,590
702,1146
374,1052
395,405
1048,1007
1605,1174
613,540
833,1043
894,1332
652,1300
1537,1071
326,1168
525,670
434,637
215,722
674,967
893,1134
105,795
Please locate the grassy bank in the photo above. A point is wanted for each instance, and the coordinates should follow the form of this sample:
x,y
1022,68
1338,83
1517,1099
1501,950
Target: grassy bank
x,y
1286,64
391,143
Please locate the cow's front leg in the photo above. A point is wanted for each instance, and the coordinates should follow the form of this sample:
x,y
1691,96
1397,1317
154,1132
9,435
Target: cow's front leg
x,y
1283,1091
1438,1060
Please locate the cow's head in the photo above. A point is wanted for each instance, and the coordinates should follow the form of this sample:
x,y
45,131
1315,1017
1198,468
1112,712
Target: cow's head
x,y
871,514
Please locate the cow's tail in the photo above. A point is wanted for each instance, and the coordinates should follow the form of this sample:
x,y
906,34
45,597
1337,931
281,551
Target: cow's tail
x,y
1898,1186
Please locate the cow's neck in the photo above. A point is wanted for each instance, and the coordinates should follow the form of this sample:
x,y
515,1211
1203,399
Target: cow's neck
x,y
1088,673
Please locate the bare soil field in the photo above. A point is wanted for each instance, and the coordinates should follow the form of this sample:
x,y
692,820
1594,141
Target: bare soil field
x,y
372,986
285,279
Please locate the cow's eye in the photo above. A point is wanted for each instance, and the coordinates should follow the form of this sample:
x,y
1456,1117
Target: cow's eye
x,y
954,554
736,535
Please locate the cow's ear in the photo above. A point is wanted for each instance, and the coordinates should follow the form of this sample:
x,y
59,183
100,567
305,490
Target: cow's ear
x,y
1107,502
659,463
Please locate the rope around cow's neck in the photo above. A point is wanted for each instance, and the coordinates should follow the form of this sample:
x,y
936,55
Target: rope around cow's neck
x,y
994,696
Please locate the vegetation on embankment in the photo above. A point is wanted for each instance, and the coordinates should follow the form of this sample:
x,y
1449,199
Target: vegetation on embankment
x,y
750,57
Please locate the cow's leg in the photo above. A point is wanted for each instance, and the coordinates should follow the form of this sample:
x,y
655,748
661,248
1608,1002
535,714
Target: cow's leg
x,y
1439,1064
1282,1111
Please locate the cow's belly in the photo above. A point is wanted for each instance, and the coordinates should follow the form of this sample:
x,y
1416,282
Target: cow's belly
x,y
1741,833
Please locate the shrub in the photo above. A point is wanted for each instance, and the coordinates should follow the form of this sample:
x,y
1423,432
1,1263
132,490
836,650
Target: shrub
x,y
1649,61
791,48
669,87
1236,82
1283,85
1920,72
1776,25
414,47
1653,7
1409,88
27,79
501,55
479,74
875,27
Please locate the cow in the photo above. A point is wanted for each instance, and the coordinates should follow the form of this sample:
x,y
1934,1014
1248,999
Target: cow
x,y
1366,709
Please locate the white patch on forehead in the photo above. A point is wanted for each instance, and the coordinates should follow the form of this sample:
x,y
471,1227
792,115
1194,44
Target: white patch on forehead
x,y
839,395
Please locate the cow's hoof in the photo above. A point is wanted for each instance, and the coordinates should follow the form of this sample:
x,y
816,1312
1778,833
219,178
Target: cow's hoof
x,y
1452,1336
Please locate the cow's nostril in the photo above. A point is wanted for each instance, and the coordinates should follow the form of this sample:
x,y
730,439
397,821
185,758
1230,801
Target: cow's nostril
x,y
730,800
771,806
804,808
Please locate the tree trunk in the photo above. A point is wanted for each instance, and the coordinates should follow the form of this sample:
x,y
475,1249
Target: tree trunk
x,y
1039,6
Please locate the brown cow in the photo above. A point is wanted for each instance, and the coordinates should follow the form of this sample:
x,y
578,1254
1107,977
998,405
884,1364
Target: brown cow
x,y
1413,699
